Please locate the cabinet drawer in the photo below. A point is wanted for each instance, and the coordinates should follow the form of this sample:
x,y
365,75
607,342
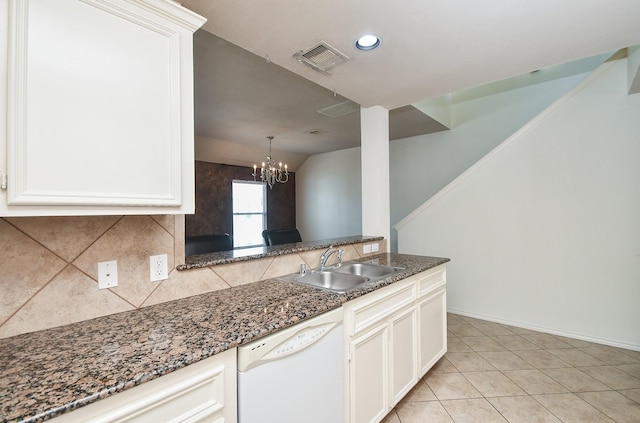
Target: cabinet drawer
x,y
431,280
198,392
372,308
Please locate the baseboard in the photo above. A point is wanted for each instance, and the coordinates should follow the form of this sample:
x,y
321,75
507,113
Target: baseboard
x,y
603,341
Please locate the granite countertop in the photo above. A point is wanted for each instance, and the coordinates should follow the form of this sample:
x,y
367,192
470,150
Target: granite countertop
x,y
242,254
46,373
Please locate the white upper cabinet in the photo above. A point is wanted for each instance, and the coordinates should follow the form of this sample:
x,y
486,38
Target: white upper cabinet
x,y
98,117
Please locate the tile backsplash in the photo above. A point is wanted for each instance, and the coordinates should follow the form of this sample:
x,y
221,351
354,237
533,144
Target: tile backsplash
x,y
48,268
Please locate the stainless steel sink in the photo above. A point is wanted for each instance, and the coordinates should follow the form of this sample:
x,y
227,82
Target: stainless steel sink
x,y
343,278
338,282
368,270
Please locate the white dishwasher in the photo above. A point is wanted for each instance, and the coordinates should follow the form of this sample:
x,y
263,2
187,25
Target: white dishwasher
x,y
294,375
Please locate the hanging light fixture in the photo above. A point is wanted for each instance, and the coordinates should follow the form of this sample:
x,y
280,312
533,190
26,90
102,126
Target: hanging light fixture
x,y
269,173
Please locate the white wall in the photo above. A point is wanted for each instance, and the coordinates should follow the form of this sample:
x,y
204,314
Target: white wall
x,y
329,195
545,231
421,166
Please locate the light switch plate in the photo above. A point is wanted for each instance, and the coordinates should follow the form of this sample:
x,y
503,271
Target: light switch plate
x,y
107,274
366,249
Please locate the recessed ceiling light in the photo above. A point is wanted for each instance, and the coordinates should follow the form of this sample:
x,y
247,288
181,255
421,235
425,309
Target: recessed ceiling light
x,y
368,42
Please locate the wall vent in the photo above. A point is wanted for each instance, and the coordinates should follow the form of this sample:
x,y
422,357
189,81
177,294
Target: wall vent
x,y
321,57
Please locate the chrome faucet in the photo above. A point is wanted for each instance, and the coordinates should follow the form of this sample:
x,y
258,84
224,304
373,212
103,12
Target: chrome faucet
x,y
324,258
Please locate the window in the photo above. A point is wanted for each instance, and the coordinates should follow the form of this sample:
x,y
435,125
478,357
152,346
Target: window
x,y
249,213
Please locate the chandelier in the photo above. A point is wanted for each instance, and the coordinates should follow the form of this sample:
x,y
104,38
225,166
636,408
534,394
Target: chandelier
x,y
269,173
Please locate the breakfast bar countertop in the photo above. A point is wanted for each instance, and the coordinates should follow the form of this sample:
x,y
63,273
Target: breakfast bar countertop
x,y
243,254
46,373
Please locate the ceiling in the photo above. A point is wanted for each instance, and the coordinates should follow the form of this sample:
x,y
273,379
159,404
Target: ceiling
x,y
241,97
249,85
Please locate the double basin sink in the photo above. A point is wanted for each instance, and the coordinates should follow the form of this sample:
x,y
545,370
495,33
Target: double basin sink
x,y
345,277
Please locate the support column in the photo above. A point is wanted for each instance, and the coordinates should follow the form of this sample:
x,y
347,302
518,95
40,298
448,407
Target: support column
x,y
633,69
374,127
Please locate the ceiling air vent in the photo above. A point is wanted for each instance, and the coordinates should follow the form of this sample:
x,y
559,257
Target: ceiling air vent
x,y
340,109
321,57
317,132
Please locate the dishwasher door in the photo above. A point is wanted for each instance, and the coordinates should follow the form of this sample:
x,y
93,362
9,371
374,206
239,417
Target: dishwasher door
x,y
294,375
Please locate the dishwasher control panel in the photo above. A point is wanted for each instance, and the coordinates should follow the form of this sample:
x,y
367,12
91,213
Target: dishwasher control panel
x,y
287,341
300,341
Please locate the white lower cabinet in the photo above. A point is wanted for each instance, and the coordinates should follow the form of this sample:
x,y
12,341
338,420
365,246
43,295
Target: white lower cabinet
x,y
368,392
433,333
404,344
201,392
393,336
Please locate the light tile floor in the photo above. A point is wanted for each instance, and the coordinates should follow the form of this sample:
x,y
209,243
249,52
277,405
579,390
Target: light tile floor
x,y
498,373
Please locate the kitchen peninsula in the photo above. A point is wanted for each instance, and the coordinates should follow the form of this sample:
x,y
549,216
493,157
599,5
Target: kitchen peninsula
x,y
48,373
243,254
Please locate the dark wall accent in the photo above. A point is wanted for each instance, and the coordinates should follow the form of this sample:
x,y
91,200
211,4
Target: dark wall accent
x,y
214,210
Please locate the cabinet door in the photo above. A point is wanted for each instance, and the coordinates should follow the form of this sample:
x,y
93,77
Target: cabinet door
x,y
404,361
99,107
368,373
433,329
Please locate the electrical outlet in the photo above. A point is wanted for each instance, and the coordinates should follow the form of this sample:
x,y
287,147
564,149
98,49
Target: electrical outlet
x,y
366,249
158,267
107,274
375,247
